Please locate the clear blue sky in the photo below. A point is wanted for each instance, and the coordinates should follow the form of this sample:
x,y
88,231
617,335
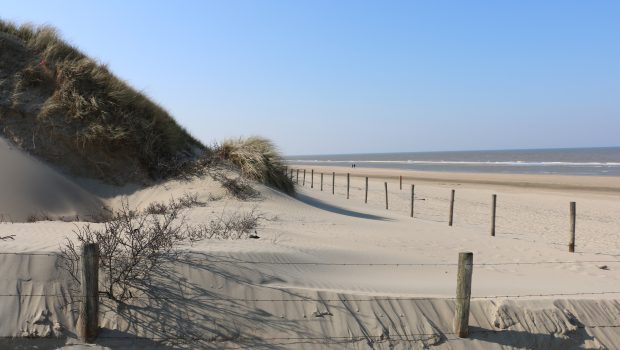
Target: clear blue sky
x,y
360,76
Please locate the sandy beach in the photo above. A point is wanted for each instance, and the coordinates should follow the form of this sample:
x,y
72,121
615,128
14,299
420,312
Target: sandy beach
x,y
329,272
309,175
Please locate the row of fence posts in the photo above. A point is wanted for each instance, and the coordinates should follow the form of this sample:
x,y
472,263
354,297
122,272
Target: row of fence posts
x,y
573,210
88,320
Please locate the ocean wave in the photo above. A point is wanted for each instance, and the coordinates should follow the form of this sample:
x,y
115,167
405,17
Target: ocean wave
x,y
477,163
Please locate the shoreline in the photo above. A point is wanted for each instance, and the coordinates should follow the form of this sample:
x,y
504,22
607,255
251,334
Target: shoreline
x,y
583,183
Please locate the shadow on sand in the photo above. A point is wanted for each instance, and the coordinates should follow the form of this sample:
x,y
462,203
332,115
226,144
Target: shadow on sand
x,y
514,339
338,210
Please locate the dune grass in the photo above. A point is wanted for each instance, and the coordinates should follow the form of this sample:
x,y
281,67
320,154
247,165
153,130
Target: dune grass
x,y
80,108
258,159
64,107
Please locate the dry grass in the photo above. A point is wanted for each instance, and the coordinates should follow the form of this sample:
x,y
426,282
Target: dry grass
x,y
64,107
258,159
52,94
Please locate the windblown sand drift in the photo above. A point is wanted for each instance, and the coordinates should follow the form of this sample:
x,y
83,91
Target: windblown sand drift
x,y
31,190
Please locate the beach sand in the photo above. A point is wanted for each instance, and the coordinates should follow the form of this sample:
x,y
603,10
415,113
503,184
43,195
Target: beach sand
x,y
368,278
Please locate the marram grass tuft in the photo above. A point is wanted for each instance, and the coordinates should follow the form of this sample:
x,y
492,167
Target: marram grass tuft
x,y
258,159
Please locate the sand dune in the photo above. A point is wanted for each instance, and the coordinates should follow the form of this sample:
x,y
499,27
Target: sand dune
x,y
29,187
529,291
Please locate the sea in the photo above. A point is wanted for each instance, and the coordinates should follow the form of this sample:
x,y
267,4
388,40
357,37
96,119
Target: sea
x,y
567,161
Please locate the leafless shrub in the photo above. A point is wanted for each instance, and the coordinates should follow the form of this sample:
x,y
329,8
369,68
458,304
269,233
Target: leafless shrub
x,y
214,197
130,246
133,243
6,219
41,216
156,208
188,200
239,188
236,225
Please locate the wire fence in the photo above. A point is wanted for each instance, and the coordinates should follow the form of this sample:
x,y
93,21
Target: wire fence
x,y
344,300
436,211
514,219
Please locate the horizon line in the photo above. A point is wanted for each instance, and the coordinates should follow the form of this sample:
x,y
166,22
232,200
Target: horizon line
x,y
451,151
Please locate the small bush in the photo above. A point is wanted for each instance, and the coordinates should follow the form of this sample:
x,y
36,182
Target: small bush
x,y
130,246
188,200
235,225
239,189
35,217
156,208
258,160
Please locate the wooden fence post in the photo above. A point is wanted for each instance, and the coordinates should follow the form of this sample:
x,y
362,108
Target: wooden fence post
x,y
348,184
291,174
412,192
386,196
451,209
401,182
493,210
311,178
321,182
334,182
463,294
573,221
304,180
88,327
297,176
366,191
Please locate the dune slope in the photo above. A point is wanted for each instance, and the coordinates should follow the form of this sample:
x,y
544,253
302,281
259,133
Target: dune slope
x,y
30,189
64,107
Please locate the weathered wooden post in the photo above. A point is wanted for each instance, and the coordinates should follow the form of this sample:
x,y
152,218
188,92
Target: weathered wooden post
x,y
88,320
451,209
412,192
297,176
311,178
334,182
366,191
493,206
463,294
573,221
291,174
304,180
386,196
348,184
321,182
401,182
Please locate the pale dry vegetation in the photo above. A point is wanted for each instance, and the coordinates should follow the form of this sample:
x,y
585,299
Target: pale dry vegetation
x,y
70,110
258,159
51,94
133,244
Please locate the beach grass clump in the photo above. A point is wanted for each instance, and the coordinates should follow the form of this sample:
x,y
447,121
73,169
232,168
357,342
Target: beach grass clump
x,y
258,159
56,100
